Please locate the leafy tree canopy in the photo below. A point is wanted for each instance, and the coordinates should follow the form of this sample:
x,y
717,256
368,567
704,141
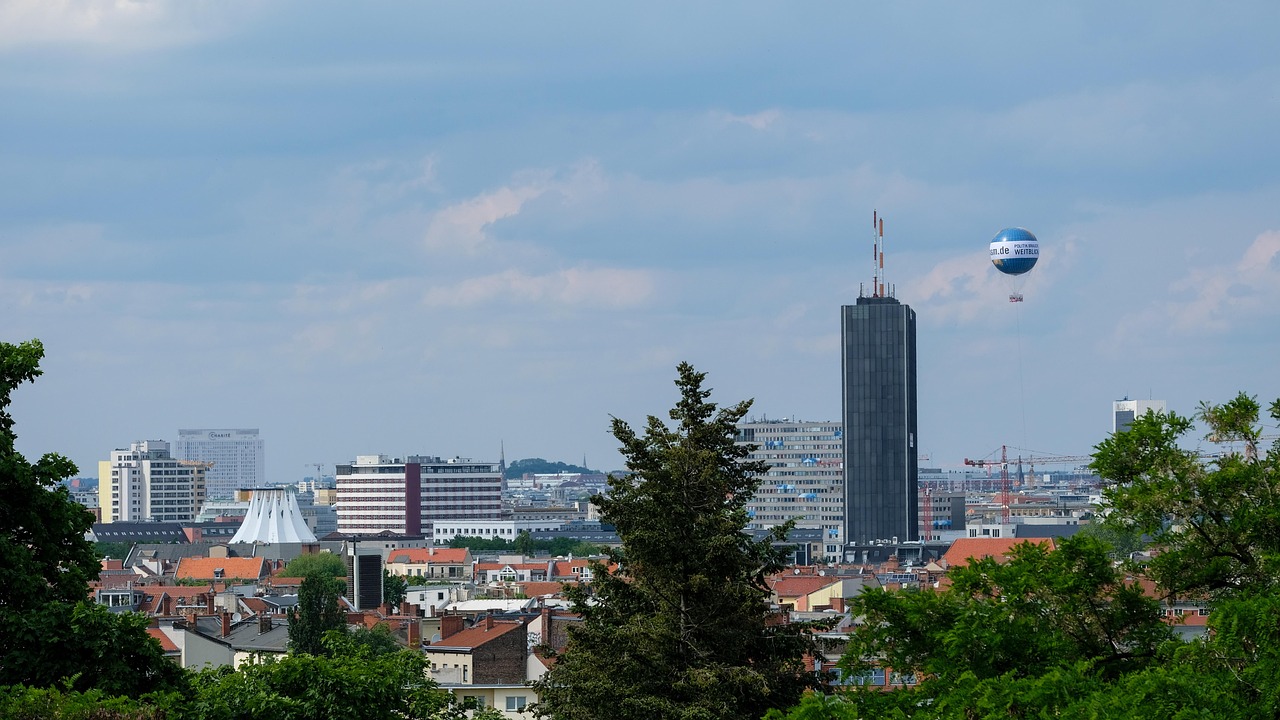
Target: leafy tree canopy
x,y
48,630
318,611
683,629
322,563
1067,634
527,546
537,465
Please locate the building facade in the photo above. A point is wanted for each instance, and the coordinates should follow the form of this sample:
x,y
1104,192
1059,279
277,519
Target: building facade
x,y
236,454
377,493
145,482
878,369
805,479
1124,412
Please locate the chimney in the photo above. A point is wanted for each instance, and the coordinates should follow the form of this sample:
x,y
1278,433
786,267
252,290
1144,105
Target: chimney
x,y
208,602
191,619
488,621
546,624
415,634
166,605
226,623
450,624
264,623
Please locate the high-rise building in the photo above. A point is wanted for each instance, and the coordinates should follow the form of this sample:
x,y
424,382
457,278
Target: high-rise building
x,y
236,454
377,493
878,339
146,483
1124,412
805,481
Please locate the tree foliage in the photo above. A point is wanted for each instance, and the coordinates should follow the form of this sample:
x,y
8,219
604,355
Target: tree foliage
x,y
48,629
526,545
394,588
318,611
322,563
1066,634
537,465
683,628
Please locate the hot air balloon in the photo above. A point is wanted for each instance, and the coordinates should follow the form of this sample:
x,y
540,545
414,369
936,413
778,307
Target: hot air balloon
x,y
1014,251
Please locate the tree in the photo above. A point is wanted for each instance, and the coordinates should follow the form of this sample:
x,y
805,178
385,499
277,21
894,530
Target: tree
x,y
394,588
1066,634
48,631
322,563
682,627
316,613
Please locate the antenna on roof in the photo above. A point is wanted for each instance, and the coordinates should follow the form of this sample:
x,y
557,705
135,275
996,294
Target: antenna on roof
x,y
878,287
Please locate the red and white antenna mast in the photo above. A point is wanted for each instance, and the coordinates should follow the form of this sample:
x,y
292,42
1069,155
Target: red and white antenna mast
x,y
877,243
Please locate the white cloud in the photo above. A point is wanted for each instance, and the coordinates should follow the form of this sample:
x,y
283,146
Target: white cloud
x,y
1225,296
113,24
463,227
762,120
578,286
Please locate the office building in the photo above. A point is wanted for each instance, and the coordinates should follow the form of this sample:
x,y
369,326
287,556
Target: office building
x,y
1124,412
878,368
145,482
236,455
378,494
805,481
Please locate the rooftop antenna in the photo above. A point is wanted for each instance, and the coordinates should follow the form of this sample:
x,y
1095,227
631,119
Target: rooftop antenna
x,y
877,244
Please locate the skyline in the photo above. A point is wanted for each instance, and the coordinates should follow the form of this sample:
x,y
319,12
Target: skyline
x,y
440,229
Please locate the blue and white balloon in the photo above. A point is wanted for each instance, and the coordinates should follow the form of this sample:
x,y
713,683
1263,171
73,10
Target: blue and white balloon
x,y
1014,251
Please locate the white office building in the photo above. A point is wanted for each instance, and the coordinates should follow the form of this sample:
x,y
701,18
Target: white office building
x,y
377,493
1124,412
145,482
805,479
236,454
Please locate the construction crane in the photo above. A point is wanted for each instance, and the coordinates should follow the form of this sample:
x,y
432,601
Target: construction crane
x,y
1004,478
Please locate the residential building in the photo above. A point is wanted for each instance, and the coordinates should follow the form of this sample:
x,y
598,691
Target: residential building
x,y
236,454
432,563
878,369
805,481
145,482
1124,412
379,494
444,531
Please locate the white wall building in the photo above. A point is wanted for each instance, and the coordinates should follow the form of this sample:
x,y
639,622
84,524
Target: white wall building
x,y
805,479
1124,412
443,531
236,454
146,483
377,493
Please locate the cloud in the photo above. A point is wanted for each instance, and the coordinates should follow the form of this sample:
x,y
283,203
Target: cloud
x,y
1222,297
757,121
113,24
462,228
578,286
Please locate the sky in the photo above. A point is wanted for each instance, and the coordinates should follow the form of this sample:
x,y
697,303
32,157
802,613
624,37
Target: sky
x,y
463,229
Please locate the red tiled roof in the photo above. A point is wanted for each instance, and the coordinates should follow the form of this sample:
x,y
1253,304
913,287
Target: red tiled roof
x,y
474,637
965,549
787,586
165,643
538,589
203,568
430,555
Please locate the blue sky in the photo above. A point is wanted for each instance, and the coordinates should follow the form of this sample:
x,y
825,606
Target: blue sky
x,y
438,227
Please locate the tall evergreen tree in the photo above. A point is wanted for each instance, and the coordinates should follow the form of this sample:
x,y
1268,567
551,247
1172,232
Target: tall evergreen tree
x,y
681,628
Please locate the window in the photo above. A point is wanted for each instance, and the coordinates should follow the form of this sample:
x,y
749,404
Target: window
x,y
516,702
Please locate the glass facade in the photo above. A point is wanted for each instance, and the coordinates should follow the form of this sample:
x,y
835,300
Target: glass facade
x,y
878,337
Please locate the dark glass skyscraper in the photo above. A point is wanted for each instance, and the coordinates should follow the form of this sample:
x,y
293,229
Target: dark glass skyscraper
x,y
878,338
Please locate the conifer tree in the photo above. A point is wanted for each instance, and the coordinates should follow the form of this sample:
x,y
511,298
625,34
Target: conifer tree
x,y
681,627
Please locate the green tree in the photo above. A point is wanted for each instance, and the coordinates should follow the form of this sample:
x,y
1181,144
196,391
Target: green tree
x,y
394,588
322,563
1064,634
391,686
48,630
682,629
318,611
